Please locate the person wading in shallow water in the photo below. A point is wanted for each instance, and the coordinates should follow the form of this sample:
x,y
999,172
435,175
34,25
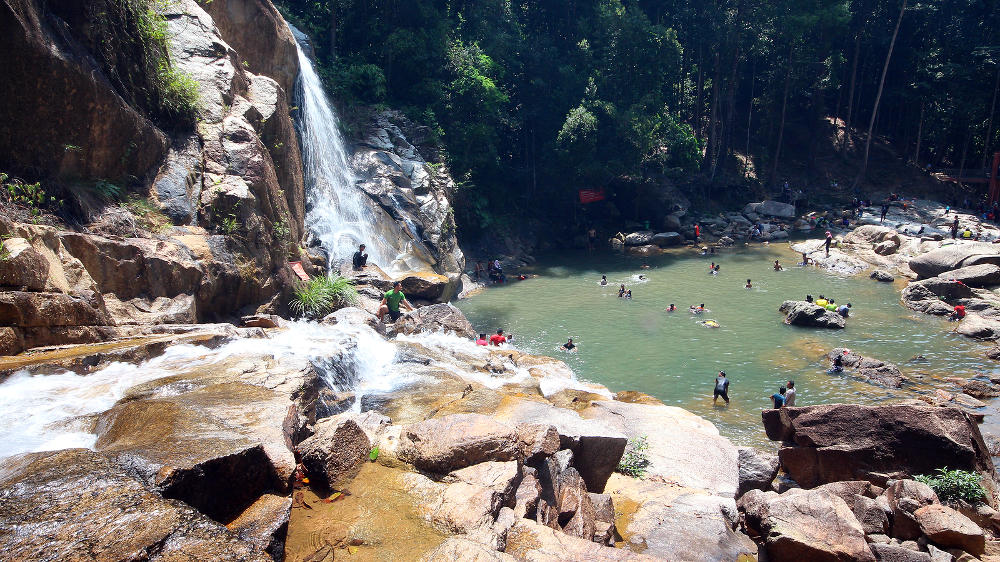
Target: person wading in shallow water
x,y
391,301
721,388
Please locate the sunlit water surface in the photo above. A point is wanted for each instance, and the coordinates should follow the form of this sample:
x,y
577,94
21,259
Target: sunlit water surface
x,y
637,345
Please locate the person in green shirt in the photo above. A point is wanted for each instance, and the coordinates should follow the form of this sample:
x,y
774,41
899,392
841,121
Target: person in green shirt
x,y
390,303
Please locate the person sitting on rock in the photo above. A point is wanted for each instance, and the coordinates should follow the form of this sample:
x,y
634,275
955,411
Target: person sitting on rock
x,y
778,398
838,364
391,301
844,310
958,313
360,258
790,394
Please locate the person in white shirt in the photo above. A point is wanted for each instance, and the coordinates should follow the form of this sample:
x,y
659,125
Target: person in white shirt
x,y
790,394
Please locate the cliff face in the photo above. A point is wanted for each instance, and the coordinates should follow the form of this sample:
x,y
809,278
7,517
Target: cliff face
x,y
83,105
231,185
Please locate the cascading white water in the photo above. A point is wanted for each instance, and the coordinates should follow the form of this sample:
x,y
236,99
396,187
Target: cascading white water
x,y
339,214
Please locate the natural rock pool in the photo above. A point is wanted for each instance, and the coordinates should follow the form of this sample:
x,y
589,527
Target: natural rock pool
x,y
637,345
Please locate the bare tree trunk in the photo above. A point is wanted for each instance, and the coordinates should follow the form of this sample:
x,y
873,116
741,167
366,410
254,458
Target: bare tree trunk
x,y
713,116
988,144
333,31
850,97
746,156
781,128
965,151
920,131
878,98
699,102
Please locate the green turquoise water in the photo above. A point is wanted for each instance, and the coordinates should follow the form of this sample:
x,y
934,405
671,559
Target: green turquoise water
x,y
637,345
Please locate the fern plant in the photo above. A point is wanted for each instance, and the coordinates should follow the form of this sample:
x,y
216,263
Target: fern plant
x,y
320,295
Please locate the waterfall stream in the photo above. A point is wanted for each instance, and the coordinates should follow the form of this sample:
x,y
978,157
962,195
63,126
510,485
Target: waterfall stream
x,y
339,214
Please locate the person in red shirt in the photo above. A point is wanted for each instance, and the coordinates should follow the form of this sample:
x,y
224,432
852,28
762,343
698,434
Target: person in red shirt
x,y
697,231
498,338
959,312
482,340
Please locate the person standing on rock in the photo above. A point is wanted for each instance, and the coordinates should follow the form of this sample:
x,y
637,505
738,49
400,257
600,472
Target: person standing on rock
x,y
721,388
391,301
790,394
360,258
954,228
829,240
697,232
885,210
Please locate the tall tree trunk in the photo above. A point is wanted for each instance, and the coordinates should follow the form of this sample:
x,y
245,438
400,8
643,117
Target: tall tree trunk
x,y
920,131
699,102
965,151
850,96
713,116
746,156
878,99
781,127
988,144
333,30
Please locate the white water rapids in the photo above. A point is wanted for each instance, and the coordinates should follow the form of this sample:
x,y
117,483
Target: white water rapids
x,y
57,411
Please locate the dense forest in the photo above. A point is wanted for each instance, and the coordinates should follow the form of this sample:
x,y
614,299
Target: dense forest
x,y
534,100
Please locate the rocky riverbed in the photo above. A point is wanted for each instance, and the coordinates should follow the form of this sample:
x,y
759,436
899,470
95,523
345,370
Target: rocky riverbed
x,y
315,441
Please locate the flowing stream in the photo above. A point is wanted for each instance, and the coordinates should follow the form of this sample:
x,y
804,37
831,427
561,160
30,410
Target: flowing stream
x,y
339,214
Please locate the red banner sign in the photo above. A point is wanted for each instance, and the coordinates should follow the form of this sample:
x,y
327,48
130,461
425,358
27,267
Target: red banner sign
x,y
591,195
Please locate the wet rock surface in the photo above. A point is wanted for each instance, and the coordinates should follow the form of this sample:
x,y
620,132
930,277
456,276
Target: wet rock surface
x,y
823,444
802,313
75,501
869,369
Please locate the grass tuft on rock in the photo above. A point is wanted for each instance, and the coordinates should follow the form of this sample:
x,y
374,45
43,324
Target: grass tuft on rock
x,y
635,461
321,295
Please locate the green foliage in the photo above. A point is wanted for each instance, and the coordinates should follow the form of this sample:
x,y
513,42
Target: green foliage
x,y
107,190
29,196
373,454
132,43
150,217
635,460
354,82
320,295
280,231
230,225
955,485
4,251
247,269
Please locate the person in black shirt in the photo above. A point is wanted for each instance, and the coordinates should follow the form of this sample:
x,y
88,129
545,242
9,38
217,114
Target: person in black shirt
x,y
360,258
569,345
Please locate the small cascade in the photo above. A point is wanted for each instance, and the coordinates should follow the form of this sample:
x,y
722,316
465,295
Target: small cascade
x,y
339,214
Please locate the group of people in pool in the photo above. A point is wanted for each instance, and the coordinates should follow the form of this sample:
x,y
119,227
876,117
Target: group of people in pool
x,y
784,397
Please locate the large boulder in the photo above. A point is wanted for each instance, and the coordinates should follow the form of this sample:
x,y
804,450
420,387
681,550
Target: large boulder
x,y
442,317
76,504
904,498
917,296
335,451
757,469
868,369
667,239
815,525
802,313
982,275
428,286
597,445
950,529
881,275
838,442
693,454
466,499
457,441
953,257
979,327
870,234
776,209
640,238
528,540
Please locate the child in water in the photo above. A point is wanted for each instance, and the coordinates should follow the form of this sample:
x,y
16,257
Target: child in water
x,y
628,294
671,308
777,266
749,285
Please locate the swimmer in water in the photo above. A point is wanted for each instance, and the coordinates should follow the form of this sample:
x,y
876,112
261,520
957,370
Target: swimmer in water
x,y
777,266
604,280
644,266
671,308
569,346
621,291
749,285
697,309
628,294
642,277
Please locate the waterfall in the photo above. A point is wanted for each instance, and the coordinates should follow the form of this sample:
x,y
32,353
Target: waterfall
x,y
338,213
